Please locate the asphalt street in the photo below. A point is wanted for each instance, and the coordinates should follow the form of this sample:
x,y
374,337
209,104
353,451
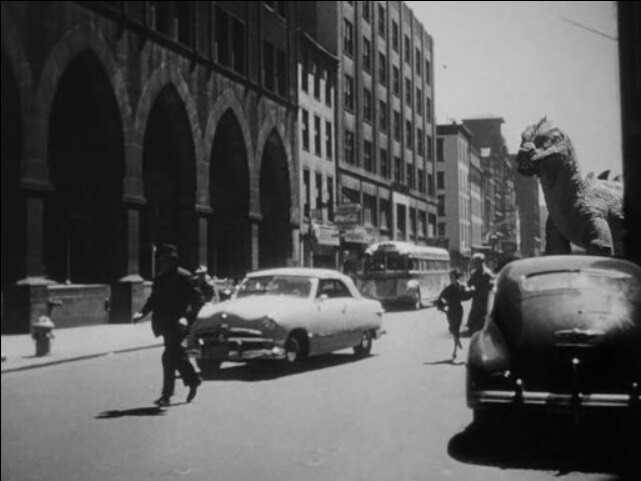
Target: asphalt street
x,y
399,414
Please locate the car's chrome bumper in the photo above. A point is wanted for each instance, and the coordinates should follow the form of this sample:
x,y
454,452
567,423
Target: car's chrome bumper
x,y
236,348
497,398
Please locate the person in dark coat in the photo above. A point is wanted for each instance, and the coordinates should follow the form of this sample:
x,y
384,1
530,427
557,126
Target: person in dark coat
x,y
450,301
174,303
480,284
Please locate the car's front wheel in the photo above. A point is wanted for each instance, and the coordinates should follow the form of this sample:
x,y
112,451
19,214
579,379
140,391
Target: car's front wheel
x,y
364,348
293,351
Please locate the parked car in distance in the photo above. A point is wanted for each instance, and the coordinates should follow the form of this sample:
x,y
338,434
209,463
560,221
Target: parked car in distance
x,y
563,335
286,314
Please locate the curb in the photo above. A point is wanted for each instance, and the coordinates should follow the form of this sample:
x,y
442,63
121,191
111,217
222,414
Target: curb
x,y
78,358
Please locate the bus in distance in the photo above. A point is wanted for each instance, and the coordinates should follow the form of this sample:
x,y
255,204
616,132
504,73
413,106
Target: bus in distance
x,y
402,273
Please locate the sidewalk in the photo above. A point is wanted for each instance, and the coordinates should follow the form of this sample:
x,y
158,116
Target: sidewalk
x,y
76,343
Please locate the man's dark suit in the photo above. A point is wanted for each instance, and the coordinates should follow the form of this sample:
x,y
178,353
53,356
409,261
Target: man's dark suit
x,y
174,295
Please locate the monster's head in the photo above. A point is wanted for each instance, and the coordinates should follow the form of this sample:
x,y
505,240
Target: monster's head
x,y
540,142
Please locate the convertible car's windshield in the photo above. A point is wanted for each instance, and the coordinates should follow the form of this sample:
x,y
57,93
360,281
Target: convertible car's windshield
x,y
295,286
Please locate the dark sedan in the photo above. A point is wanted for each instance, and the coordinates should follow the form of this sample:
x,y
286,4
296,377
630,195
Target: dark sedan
x,y
563,335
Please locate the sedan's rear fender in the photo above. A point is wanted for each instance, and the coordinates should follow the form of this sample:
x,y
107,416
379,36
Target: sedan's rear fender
x,y
488,350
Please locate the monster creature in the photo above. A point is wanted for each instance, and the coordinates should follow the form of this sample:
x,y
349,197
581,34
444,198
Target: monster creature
x,y
587,212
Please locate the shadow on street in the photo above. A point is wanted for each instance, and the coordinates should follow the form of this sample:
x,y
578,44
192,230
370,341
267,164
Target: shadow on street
x,y
550,447
449,361
269,370
144,411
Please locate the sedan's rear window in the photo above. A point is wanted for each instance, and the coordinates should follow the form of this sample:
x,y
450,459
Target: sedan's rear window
x,y
582,279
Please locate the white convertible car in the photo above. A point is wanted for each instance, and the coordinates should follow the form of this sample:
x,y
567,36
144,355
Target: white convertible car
x,y
288,314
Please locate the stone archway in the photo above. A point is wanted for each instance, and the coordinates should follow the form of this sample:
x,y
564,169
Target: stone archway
x,y
275,231
169,181
84,232
229,248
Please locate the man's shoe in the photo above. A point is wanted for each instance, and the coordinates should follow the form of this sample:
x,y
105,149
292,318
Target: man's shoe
x,y
162,402
193,389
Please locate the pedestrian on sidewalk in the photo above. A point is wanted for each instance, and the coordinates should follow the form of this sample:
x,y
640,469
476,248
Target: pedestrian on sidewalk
x,y
480,283
174,303
450,301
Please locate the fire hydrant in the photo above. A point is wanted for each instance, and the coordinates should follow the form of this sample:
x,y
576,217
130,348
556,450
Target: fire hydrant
x,y
42,333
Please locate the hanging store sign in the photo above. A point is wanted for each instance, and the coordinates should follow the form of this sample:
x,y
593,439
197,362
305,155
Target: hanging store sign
x,y
326,235
347,214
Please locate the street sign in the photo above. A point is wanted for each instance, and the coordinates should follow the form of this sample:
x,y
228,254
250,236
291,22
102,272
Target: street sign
x,y
347,214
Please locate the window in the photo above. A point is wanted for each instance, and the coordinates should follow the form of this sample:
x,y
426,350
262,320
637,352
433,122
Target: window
x,y
395,44
428,72
419,101
440,180
319,196
441,229
382,115
367,156
408,54
305,130
328,140
430,148
411,182
408,134
422,223
330,198
268,65
400,221
222,35
384,163
382,69
317,135
369,210
431,225
397,125
440,152
408,91
430,185
441,205
396,81
367,105
413,223
417,62
349,147
329,83
238,46
183,22
398,170
304,80
281,72
367,13
318,74
349,92
428,109
419,141
384,211
307,193
367,55
382,20
421,180
348,39
162,17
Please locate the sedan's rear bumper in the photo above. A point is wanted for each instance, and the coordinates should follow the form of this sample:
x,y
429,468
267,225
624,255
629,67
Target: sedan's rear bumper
x,y
552,401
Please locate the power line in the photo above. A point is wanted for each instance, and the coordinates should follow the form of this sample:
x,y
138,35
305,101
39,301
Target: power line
x,y
590,29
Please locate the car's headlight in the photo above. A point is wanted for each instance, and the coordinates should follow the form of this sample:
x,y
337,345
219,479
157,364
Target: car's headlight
x,y
268,323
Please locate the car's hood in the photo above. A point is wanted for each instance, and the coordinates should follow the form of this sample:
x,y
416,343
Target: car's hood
x,y
253,310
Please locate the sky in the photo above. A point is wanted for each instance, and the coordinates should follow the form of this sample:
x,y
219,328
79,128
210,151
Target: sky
x,y
525,60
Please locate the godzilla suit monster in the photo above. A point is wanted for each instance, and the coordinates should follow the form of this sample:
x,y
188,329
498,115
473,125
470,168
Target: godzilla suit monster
x,y
587,212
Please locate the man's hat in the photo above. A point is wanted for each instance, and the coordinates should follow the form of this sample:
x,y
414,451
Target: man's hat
x,y
478,257
167,250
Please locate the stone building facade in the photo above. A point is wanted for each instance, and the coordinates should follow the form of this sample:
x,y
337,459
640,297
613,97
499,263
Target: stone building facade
x,y
130,124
